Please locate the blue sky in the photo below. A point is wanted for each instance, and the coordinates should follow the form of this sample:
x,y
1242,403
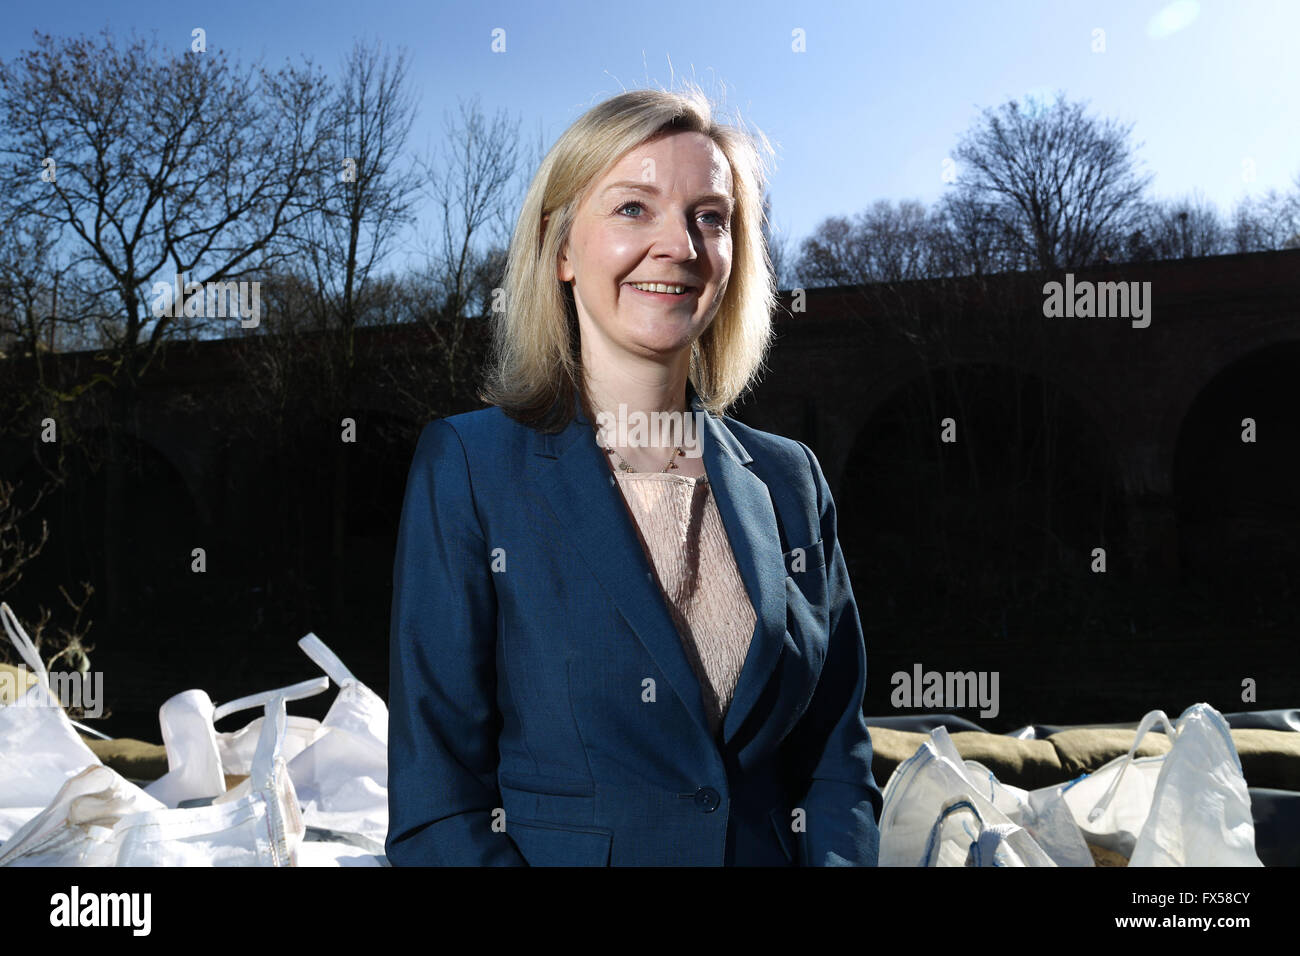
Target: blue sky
x,y
879,99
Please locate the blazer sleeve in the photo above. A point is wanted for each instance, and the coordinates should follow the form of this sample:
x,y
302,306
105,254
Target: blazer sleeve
x,y
842,801
443,719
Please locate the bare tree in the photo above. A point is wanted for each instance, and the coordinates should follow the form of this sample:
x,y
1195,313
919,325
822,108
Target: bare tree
x,y
970,238
474,188
888,242
1267,222
364,194
1185,228
362,197
471,191
65,644
29,278
41,309
155,163
832,255
780,251
778,248
1062,183
899,241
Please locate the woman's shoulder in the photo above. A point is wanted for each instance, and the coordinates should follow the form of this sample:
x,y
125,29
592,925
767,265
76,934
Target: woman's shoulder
x,y
485,425
487,434
490,422
787,466
769,448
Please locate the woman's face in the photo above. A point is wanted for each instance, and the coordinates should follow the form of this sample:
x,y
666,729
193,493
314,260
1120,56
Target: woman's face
x,y
661,214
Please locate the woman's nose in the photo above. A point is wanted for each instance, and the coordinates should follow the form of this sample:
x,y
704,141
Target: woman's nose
x,y
674,238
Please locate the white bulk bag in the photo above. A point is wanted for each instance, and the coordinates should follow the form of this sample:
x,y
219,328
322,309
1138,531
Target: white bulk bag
x,y
39,748
939,810
196,768
1188,807
99,818
342,777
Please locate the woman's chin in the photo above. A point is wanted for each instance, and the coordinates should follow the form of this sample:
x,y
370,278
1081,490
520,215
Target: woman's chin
x,y
661,347
664,340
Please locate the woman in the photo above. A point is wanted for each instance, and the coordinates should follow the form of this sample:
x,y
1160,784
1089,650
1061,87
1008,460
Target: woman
x,y
609,649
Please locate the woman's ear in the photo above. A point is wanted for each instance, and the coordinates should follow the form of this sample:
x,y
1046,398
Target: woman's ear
x,y
562,258
563,270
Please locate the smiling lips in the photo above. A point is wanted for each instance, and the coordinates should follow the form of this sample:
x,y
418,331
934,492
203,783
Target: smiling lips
x,y
661,290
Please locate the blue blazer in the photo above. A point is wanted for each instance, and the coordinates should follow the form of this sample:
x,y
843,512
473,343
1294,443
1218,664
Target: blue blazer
x,y
542,710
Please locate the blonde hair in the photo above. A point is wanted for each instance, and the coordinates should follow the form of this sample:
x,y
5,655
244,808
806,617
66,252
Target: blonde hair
x,y
536,362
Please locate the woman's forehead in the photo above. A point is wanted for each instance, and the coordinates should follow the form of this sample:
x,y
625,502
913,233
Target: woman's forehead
x,y
681,161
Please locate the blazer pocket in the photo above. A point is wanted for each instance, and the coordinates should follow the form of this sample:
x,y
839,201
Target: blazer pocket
x,y
781,823
802,560
555,844
550,786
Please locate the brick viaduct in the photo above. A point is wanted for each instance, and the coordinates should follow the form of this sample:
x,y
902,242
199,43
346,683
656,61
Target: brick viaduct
x,y
841,354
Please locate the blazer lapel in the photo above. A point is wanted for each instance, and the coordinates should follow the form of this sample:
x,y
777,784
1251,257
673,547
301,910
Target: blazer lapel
x,y
747,513
577,483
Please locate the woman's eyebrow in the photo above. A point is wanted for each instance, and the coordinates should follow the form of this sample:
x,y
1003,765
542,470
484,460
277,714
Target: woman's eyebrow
x,y
654,190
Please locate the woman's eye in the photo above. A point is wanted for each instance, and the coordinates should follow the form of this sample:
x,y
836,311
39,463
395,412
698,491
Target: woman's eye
x,y
721,218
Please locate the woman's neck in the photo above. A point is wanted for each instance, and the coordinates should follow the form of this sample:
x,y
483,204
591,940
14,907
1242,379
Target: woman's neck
x,y
644,422
627,397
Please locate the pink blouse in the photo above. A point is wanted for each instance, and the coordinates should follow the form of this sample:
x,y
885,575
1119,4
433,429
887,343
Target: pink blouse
x,y
682,533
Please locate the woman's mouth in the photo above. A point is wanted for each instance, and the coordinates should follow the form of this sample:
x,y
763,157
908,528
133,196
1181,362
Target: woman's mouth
x,y
659,291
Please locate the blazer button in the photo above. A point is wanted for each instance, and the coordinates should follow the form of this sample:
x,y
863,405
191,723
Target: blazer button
x,y
707,799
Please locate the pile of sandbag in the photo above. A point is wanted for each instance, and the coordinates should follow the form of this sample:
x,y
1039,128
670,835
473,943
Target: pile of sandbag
x,y
1188,806
281,791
